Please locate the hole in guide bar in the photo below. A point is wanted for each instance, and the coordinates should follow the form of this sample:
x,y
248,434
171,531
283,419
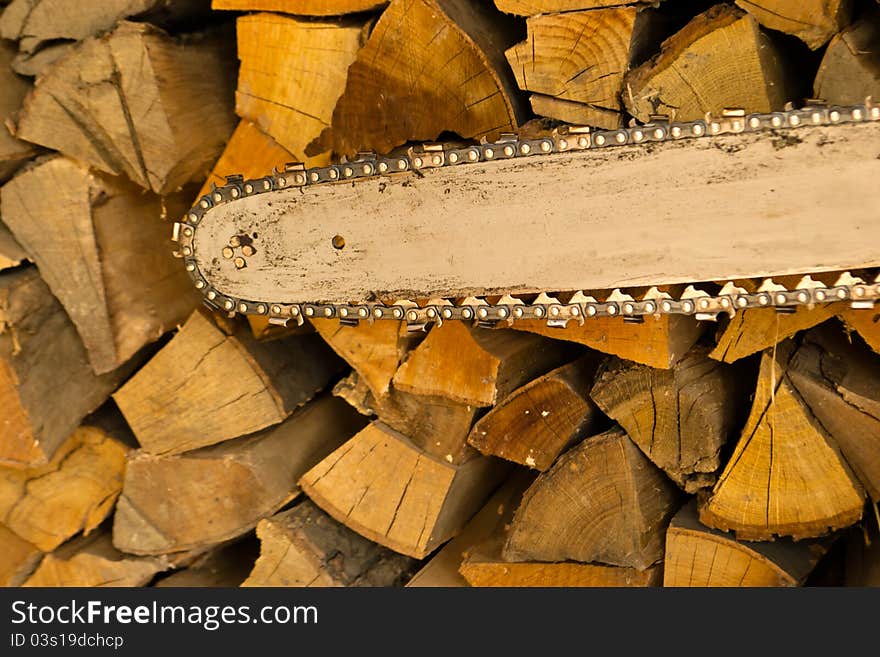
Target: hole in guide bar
x,y
338,241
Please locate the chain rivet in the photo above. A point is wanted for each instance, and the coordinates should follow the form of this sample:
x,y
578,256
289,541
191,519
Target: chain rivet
x,y
649,307
466,313
276,310
583,142
546,146
447,313
212,295
563,144
502,312
217,197
857,114
437,160
526,149
600,140
248,188
200,285
638,135
755,122
611,309
820,295
508,151
362,312
242,307
453,157
239,263
310,311
228,305
190,266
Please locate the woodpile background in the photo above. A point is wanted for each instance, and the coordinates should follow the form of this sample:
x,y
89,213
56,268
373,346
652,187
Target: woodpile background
x,y
145,441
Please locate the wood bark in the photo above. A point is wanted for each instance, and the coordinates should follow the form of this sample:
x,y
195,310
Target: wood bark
x,y
292,74
97,241
19,560
74,492
137,103
537,421
850,68
721,59
383,487
399,90
812,21
807,488
205,386
302,7
492,363
602,501
35,22
658,342
680,418
46,384
13,152
305,547
194,500
699,556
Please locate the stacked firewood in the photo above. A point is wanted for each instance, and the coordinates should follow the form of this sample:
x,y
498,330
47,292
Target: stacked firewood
x,y
147,441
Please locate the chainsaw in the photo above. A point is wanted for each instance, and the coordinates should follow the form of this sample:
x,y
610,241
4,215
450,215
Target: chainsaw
x,y
704,218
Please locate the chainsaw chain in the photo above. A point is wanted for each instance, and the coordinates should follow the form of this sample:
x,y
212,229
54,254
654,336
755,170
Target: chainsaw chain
x,y
861,291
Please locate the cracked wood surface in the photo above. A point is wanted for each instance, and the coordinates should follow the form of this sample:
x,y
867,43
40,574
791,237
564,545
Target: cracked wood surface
x,y
19,560
699,556
536,422
302,7
786,476
680,418
533,7
850,68
602,501
95,238
292,73
74,492
46,383
306,547
433,65
384,488
205,386
222,491
136,103
13,152
812,21
720,59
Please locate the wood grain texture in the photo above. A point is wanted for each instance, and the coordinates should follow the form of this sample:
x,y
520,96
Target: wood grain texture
x,y
292,73
205,386
536,422
11,253
493,363
125,103
680,418
19,559
533,7
194,500
806,487
95,239
720,59
13,152
74,492
429,66
305,547
46,383
384,488
699,556
302,7
394,250
850,68
866,323
602,501
812,21
575,113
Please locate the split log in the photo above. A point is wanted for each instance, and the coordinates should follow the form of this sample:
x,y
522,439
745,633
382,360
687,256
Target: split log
x,y
97,241
93,561
603,501
33,64
302,7
398,90
11,253
35,22
658,342
699,556
786,476
443,567
812,21
292,74
483,566
13,152
491,363
864,322
720,59
680,418
850,69
306,547
74,492
840,385
384,488
194,500
226,565
536,422
533,7
46,384
578,58
436,425
19,560
138,103
205,386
